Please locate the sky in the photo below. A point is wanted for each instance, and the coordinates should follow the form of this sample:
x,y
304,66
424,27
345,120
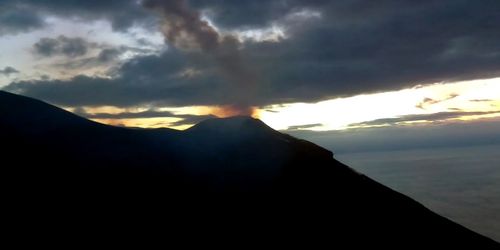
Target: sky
x,y
300,66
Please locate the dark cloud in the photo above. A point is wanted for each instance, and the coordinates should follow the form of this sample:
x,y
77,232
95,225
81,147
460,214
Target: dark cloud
x,y
126,115
435,117
24,15
185,119
306,126
8,71
481,100
18,19
429,101
62,45
79,53
145,80
109,54
353,47
382,46
105,57
426,101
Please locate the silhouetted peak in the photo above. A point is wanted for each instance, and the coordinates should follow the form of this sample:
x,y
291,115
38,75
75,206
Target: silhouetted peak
x,y
230,125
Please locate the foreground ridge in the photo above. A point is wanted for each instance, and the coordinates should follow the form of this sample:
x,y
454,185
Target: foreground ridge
x,y
238,173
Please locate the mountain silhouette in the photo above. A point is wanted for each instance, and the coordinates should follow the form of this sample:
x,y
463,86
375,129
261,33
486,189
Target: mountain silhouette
x,y
234,178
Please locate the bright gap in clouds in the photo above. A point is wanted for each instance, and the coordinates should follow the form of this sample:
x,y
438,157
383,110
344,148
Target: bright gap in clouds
x,y
343,113
459,101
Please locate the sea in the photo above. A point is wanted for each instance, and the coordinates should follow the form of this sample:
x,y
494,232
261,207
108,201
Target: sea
x,y
460,183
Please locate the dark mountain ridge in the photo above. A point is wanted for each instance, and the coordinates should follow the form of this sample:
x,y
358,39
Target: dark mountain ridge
x,y
237,173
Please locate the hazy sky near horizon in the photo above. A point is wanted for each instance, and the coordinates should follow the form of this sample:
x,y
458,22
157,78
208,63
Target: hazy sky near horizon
x,y
303,65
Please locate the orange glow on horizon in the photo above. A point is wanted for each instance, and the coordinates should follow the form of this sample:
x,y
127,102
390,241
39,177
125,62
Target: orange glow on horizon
x,y
233,110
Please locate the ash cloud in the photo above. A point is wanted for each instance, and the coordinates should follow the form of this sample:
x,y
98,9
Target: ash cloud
x,y
184,28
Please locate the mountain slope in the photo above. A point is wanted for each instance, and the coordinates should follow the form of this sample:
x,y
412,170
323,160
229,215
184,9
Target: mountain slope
x,y
236,173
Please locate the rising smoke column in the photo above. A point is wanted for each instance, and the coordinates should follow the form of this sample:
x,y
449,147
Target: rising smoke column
x,y
184,29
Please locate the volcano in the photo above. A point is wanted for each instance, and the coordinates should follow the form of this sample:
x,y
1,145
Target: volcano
x,y
254,183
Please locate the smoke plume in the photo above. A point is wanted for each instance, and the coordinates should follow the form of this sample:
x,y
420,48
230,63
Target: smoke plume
x,y
184,29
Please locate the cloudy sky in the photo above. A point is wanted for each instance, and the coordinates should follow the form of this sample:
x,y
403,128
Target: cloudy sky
x,y
298,65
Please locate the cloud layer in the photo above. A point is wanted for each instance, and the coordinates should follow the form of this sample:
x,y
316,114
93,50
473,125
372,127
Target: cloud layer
x,y
7,71
62,45
434,117
24,15
348,48
184,119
